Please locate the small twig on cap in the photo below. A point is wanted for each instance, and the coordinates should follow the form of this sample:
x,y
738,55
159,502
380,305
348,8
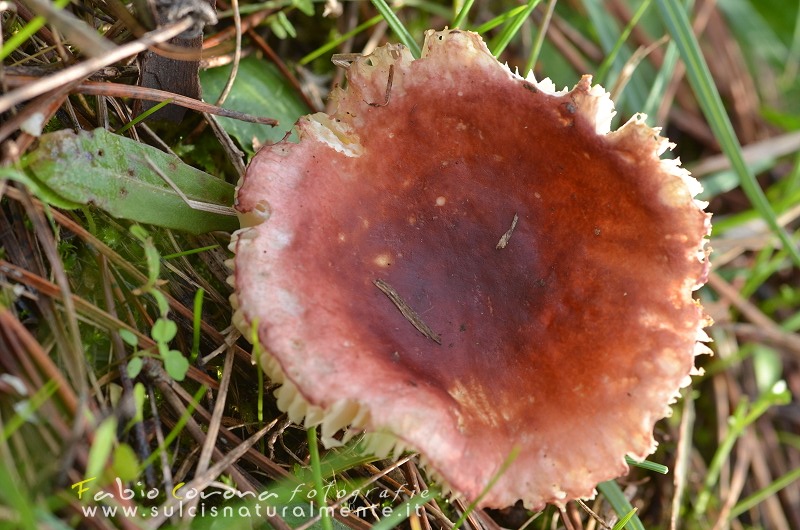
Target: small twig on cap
x,y
388,89
406,311
504,240
344,60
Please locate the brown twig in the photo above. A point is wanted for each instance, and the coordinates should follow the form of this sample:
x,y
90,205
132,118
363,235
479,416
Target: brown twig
x,y
213,429
103,88
140,436
237,53
86,68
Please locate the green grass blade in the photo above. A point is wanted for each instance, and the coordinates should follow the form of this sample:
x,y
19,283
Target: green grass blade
x,y
37,400
462,14
398,27
708,97
499,19
608,33
612,55
319,485
743,416
143,116
474,504
624,521
762,494
510,31
648,465
178,428
197,319
27,31
23,510
322,50
661,81
190,252
539,42
616,498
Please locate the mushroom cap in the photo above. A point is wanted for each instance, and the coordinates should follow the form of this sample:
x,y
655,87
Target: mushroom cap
x,y
563,346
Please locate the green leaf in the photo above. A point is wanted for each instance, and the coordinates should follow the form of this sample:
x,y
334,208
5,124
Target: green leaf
x,y
42,192
104,438
151,256
112,173
176,365
134,367
259,89
139,394
280,24
126,465
129,337
164,330
305,6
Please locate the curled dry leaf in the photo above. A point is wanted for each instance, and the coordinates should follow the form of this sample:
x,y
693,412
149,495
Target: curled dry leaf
x,y
568,341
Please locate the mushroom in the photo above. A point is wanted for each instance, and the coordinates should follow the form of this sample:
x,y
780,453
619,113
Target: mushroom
x,y
470,264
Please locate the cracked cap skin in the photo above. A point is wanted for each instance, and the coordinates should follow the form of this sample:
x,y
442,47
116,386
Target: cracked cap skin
x,y
563,346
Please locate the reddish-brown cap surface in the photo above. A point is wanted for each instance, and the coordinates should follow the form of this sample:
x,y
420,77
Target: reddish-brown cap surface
x,y
565,337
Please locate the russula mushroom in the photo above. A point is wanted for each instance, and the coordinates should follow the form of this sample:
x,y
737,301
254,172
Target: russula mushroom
x,y
470,264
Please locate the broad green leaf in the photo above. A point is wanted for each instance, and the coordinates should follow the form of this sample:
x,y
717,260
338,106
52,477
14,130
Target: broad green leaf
x,y
125,464
305,6
104,439
164,330
42,192
111,172
135,367
259,89
176,365
129,337
15,498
